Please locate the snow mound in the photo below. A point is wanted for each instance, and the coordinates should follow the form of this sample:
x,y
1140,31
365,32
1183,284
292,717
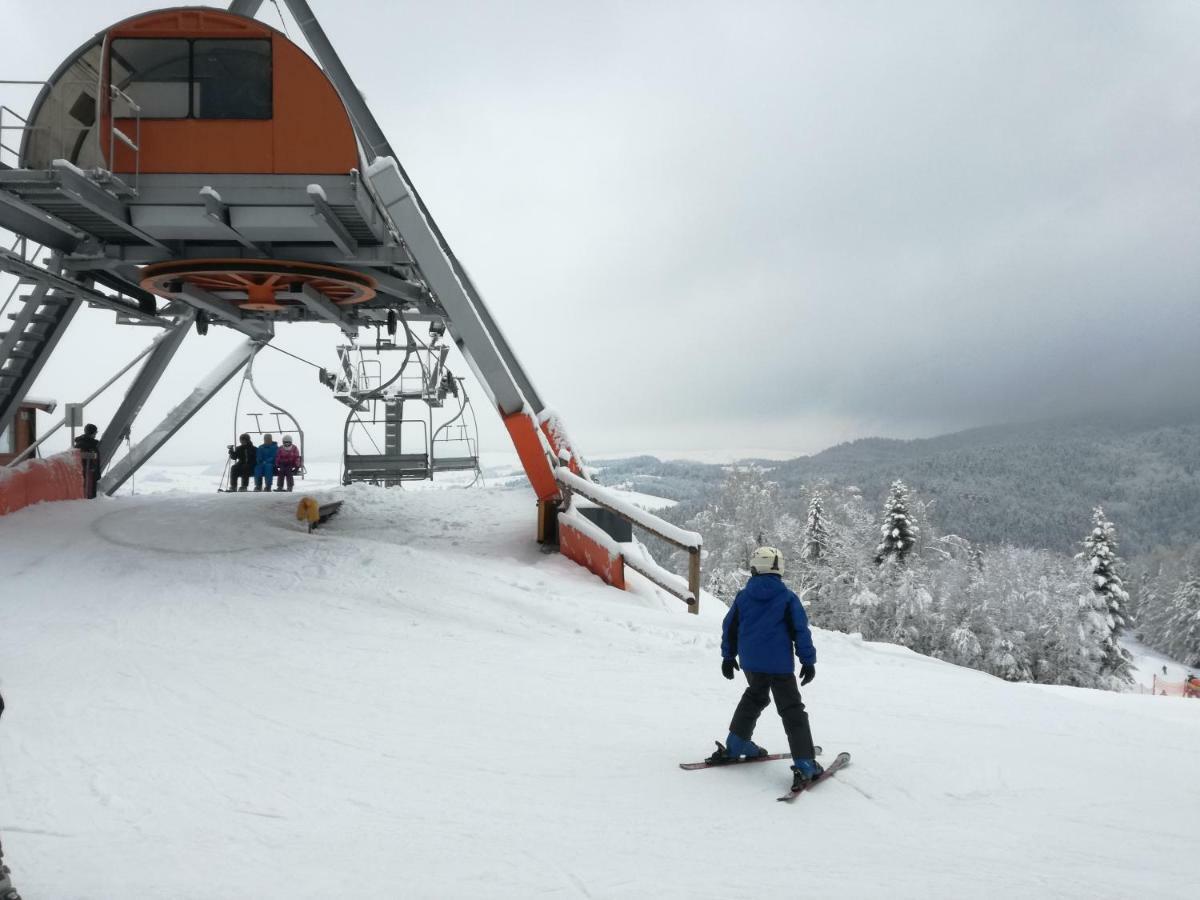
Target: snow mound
x,y
416,701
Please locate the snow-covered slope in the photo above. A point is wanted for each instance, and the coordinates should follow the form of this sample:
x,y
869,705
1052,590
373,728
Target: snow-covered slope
x,y
206,702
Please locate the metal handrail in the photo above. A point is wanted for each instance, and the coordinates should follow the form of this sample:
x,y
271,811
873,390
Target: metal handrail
x,y
115,93
115,134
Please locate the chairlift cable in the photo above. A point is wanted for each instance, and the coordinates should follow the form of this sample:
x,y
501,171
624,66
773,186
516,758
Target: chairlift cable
x,y
282,21
292,355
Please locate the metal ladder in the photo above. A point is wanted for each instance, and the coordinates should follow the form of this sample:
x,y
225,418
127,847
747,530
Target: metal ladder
x,y
37,326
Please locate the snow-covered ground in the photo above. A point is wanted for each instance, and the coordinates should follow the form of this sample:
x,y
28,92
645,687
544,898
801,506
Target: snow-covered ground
x,y
204,701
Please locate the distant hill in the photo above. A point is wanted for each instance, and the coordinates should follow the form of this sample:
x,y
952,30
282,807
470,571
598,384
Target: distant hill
x,y
1031,485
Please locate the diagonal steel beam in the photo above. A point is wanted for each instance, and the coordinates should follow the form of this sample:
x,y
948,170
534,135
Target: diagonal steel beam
x,y
486,347
139,392
247,8
216,211
177,418
319,305
326,217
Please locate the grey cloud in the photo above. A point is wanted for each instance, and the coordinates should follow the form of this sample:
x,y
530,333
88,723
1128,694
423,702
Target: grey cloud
x,y
798,222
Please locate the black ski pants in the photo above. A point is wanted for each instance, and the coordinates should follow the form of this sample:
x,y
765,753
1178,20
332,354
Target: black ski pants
x,y
787,702
240,472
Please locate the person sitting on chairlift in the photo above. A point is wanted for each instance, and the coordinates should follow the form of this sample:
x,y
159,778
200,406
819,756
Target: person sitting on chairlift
x,y
287,463
244,457
265,470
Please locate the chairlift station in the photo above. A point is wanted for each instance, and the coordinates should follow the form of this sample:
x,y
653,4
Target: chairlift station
x,y
193,167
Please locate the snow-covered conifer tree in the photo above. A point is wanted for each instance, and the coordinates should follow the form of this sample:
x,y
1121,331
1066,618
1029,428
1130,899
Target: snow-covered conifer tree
x,y
816,532
1110,599
898,531
1183,627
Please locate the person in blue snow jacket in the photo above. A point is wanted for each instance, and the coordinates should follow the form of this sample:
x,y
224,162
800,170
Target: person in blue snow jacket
x,y
265,462
763,626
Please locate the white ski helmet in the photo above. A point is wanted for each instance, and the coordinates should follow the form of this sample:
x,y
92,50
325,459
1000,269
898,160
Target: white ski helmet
x,y
766,561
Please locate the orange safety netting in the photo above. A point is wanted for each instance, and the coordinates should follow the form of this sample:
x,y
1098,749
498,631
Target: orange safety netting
x,y
1187,688
59,477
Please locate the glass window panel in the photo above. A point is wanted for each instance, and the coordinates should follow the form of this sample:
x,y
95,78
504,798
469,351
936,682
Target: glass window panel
x,y
232,79
155,73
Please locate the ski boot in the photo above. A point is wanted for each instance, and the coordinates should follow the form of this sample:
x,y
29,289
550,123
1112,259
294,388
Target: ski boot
x,y
733,749
804,772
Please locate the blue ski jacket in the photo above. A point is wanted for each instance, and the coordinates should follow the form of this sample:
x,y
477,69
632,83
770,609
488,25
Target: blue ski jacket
x,y
764,623
266,454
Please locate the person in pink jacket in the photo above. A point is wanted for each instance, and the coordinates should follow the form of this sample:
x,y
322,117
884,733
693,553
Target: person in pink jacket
x,y
287,463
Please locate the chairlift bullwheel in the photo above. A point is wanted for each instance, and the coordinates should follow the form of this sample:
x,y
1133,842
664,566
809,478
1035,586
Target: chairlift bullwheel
x,y
264,285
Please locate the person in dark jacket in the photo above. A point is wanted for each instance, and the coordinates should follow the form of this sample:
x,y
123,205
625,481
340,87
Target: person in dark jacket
x,y
7,891
245,458
88,441
764,624
265,468
89,446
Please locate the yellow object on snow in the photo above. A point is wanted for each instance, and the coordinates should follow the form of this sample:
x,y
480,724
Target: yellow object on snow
x,y
308,510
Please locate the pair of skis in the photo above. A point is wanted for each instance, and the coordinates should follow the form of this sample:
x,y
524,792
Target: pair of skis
x,y
841,761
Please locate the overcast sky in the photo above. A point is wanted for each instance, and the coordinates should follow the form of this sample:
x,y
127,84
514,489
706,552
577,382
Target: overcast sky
x,y
771,226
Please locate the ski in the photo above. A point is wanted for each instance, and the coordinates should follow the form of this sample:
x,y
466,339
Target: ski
x,y
740,761
842,760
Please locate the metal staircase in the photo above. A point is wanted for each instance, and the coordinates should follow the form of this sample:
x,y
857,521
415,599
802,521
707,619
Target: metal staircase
x,y
36,327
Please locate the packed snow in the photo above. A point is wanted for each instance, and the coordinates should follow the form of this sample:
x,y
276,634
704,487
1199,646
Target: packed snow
x,y
415,701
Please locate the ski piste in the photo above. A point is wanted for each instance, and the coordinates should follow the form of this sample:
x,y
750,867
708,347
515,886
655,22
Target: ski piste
x,y
842,760
740,760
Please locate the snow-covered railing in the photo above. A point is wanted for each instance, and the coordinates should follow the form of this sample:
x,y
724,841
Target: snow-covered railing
x,y
641,562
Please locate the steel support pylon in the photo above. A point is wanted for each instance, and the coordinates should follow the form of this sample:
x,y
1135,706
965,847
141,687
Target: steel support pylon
x,y
139,392
178,417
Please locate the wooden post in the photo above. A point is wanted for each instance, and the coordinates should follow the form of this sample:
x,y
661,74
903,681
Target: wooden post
x,y
547,522
694,579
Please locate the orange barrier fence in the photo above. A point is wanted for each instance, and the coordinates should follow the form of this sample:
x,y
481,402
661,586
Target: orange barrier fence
x,y
59,477
590,554
1189,687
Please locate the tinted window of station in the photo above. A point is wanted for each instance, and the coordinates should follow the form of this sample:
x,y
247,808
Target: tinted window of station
x,y
201,79
232,79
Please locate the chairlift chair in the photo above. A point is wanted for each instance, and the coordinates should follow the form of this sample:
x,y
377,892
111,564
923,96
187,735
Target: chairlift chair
x,y
281,417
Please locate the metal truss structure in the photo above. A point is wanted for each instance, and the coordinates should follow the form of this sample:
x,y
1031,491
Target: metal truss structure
x,y
182,251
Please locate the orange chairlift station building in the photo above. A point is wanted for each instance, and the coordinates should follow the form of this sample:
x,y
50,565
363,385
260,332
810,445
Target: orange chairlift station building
x,y
203,169
216,94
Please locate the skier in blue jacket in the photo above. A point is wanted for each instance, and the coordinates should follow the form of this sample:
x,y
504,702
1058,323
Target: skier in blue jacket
x,y
762,626
265,462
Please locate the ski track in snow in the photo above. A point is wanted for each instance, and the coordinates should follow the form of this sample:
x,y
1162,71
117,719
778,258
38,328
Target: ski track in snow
x,y
416,701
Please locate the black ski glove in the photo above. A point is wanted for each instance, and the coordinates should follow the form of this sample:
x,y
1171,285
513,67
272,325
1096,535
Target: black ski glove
x,y
807,673
1,706
727,667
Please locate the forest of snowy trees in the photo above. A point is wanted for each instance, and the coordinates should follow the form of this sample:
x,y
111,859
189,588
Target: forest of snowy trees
x,y
884,571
